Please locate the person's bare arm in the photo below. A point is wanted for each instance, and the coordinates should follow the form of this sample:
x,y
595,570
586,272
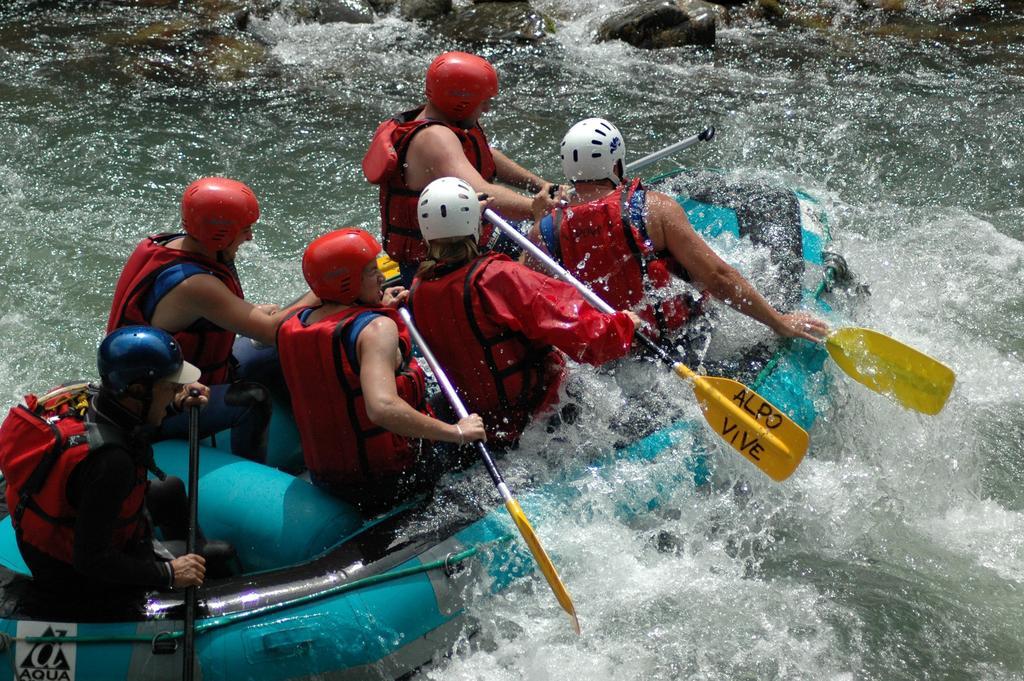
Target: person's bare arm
x,y
668,227
514,174
206,296
307,299
377,349
436,152
534,236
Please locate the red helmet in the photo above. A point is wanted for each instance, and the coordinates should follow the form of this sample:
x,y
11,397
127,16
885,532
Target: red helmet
x,y
214,210
333,264
459,82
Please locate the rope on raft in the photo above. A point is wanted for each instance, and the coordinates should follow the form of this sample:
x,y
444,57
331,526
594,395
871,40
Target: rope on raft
x,y
446,563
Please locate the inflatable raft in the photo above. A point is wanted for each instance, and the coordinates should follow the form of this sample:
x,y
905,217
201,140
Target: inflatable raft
x,y
326,593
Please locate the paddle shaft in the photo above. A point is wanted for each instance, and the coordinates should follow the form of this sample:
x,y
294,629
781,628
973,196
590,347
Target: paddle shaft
x,y
705,135
189,639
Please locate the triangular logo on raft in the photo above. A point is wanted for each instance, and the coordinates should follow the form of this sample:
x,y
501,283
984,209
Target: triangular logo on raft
x,y
45,660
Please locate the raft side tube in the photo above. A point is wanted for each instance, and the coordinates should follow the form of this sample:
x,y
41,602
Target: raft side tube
x,y
273,519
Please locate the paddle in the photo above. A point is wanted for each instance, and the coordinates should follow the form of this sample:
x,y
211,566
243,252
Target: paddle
x,y
511,505
892,368
746,421
189,639
705,135
389,268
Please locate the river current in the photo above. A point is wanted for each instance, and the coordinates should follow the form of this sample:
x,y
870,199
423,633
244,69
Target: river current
x,y
897,549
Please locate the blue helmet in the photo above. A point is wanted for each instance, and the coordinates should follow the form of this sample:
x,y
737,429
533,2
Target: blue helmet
x,y
142,354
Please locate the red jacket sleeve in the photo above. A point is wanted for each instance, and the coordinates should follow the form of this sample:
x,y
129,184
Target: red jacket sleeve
x,y
549,311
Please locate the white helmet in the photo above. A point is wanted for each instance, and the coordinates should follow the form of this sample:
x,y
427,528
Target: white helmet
x,y
590,150
448,207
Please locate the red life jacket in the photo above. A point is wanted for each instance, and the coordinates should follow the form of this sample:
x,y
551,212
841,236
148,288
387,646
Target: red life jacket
x,y
203,343
384,164
503,376
602,247
41,442
339,442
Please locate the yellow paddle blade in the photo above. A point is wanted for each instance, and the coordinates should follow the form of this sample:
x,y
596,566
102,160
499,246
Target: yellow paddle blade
x,y
750,424
545,564
389,268
892,368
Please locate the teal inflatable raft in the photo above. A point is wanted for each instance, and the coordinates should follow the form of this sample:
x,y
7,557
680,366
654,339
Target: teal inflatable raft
x,y
326,593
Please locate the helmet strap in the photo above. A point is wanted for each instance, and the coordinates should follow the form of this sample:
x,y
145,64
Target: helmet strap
x,y
619,170
433,113
146,399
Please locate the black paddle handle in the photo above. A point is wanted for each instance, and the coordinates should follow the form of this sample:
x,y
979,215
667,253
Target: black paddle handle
x,y
661,352
189,638
492,470
193,475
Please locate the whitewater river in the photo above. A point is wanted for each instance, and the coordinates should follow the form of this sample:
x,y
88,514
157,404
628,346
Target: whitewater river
x,y
896,551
